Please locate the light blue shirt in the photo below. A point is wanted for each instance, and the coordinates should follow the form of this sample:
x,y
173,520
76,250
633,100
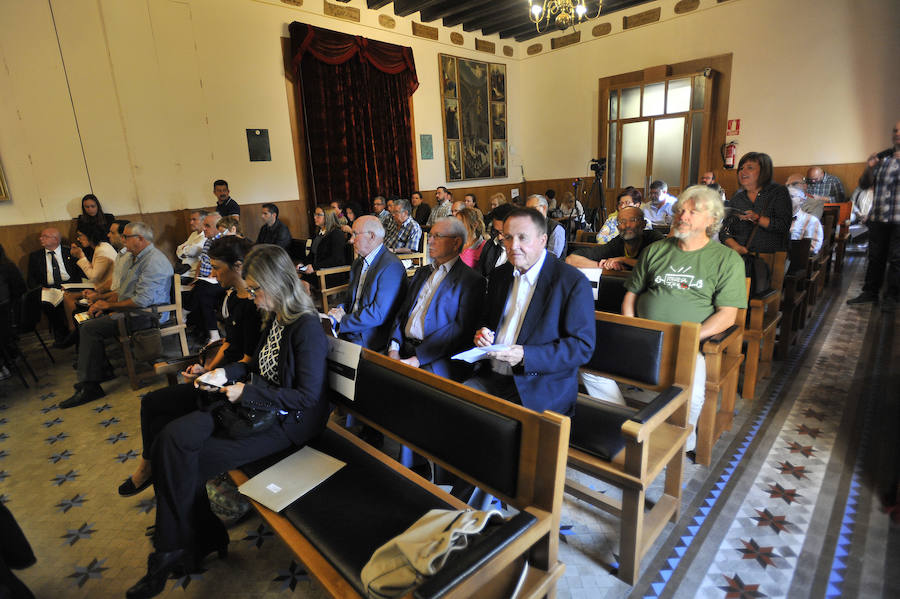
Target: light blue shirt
x,y
148,280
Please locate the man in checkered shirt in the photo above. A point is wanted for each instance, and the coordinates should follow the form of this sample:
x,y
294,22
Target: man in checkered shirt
x,y
820,183
407,233
882,175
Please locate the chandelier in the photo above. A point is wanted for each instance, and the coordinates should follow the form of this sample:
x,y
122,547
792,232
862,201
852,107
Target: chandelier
x,y
561,14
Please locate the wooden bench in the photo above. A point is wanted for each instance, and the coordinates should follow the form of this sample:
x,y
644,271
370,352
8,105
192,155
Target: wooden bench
x,y
821,262
630,448
762,325
794,296
512,453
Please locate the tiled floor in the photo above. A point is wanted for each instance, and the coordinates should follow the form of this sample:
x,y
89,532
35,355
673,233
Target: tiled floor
x,y
787,508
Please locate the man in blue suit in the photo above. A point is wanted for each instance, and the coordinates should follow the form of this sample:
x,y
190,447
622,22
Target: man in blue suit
x,y
441,309
377,286
542,311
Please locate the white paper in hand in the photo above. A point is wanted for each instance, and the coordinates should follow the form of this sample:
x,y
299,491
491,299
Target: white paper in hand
x,y
216,378
478,353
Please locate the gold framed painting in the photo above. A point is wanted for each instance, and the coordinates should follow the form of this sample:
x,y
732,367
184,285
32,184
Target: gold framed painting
x,y
4,190
473,111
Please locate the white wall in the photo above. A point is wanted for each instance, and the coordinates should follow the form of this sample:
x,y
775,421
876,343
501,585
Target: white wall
x,y
161,94
813,81
145,102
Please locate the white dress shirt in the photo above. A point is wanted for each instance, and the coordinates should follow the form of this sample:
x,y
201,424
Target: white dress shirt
x,y
415,325
63,273
516,307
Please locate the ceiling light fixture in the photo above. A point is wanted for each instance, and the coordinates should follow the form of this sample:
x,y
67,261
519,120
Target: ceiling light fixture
x,y
561,14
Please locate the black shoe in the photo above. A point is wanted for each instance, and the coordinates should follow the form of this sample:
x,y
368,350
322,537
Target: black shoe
x,y
210,542
863,298
127,488
691,455
69,340
89,392
107,376
159,566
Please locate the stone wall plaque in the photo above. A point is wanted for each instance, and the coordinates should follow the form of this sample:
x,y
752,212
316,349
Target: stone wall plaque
x,y
457,38
685,6
601,29
485,46
425,31
507,51
642,18
293,2
387,22
348,13
534,49
566,40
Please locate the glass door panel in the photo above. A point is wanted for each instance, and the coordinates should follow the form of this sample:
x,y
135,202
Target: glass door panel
x,y
668,148
635,137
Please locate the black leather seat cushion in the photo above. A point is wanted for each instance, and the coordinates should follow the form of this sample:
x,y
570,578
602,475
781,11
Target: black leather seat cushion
x,y
479,442
597,428
637,354
610,294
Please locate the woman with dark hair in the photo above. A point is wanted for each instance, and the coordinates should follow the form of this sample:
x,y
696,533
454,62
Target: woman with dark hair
x,y
610,229
241,320
352,211
761,209
327,248
286,378
92,212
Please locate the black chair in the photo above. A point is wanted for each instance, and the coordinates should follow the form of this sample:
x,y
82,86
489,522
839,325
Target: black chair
x,y
9,348
30,316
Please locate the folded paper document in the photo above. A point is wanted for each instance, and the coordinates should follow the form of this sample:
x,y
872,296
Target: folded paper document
x,y
479,353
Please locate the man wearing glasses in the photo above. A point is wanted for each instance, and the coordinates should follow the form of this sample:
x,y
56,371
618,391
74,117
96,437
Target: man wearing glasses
x,y
622,251
820,183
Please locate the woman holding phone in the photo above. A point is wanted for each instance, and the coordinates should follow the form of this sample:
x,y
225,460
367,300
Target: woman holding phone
x,y
286,376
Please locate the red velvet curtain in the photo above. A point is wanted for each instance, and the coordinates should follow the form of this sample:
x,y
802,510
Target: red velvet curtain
x,y
358,125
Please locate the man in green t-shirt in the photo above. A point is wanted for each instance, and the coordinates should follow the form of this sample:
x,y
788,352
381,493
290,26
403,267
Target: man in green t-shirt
x,y
689,277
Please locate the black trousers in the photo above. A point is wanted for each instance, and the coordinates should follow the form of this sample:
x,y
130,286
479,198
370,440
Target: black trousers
x,y
499,385
185,454
205,299
56,317
884,250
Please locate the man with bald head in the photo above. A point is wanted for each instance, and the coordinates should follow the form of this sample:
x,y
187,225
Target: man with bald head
x,y
622,252
439,313
50,267
376,288
809,203
820,183
709,179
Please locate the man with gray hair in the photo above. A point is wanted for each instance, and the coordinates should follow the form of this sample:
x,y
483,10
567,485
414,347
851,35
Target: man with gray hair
x,y
439,313
189,251
376,288
147,282
688,277
407,235
556,233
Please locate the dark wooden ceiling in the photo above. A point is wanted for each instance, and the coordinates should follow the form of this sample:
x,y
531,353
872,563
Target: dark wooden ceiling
x,y
508,18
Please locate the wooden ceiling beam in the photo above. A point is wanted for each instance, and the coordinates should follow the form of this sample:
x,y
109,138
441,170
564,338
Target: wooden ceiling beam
x,y
496,26
478,12
446,8
376,4
516,29
404,8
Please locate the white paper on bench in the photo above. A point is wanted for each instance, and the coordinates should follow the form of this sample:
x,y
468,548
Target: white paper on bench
x,y
280,485
593,275
76,286
478,353
342,362
52,296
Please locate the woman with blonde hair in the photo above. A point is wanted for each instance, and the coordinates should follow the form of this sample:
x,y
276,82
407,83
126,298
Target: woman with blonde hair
x,y
474,236
229,225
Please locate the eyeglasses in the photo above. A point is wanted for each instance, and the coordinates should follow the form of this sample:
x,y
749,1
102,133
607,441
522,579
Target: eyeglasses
x,y
132,235
252,290
441,236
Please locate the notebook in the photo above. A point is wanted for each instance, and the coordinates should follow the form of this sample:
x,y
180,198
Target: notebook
x,y
280,485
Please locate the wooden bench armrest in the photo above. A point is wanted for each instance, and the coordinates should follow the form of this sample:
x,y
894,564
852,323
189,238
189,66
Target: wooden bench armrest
x,y
175,365
761,299
640,426
717,343
333,270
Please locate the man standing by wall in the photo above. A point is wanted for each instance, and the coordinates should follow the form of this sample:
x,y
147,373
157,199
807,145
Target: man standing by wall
x,y
225,205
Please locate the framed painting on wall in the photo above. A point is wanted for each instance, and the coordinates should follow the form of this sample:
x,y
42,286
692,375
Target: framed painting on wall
x,y
473,100
4,190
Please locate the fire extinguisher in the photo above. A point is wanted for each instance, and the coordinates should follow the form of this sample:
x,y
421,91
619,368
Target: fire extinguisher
x,y
729,154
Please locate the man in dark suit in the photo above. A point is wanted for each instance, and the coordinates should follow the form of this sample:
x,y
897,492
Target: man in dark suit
x,y
541,311
377,285
50,267
440,311
494,254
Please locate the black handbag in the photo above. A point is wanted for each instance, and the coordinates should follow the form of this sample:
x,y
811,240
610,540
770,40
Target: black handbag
x,y
756,269
146,338
234,421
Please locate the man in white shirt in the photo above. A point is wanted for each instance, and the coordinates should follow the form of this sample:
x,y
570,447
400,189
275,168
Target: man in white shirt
x,y
658,210
189,251
556,234
437,318
806,226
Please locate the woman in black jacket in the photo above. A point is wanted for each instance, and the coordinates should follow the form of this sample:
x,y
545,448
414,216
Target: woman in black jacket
x,y
762,211
287,376
328,248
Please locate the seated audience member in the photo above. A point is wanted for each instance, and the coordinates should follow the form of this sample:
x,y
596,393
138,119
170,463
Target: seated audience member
x,y
147,282
628,197
379,206
862,200
50,267
456,207
443,199
550,194
658,210
709,179
376,288
407,234
826,185
225,204
556,233
241,321
337,207
622,252
116,237
273,230
763,209
421,210
12,288
493,254
92,214
474,241
472,202
806,226
326,249
797,188
228,226
351,212
542,311
98,271
287,375
686,277
437,318
189,251
572,213
497,199
207,294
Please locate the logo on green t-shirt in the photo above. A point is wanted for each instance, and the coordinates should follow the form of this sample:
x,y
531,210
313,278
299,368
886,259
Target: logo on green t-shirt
x,y
679,278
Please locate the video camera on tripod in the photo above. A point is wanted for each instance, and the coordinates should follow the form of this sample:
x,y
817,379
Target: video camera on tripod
x,y
598,165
